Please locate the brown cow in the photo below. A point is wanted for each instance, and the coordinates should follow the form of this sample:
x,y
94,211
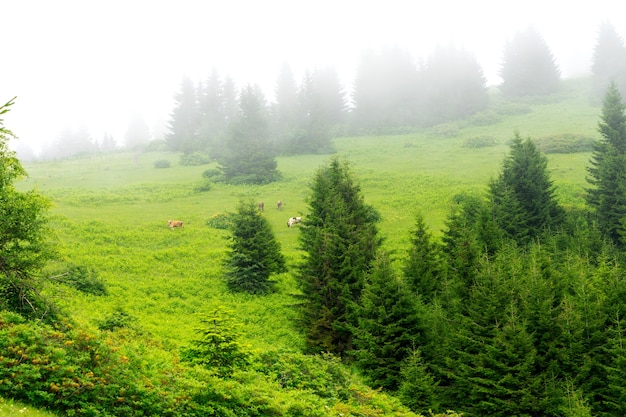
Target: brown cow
x,y
175,223
279,205
261,206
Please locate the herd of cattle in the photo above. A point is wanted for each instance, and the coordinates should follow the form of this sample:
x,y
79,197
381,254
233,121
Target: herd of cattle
x,y
279,205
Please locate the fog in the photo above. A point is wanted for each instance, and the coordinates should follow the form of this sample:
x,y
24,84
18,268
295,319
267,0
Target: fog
x,y
98,64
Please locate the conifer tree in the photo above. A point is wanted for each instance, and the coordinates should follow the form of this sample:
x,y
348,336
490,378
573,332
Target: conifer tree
x,y
339,240
423,269
388,326
607,173
523,194
254,252
184,122
608,61
250,157
529,67
417,386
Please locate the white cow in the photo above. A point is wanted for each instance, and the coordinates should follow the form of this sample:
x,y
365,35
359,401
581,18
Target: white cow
x,y
293,220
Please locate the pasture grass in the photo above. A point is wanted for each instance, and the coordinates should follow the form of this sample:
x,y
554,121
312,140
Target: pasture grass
x,y
110,213
10,408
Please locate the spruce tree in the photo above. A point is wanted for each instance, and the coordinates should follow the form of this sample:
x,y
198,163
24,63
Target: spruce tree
x,y
339,240
607,173
423,268
608,61
529,67
523,195
184,122
388,326
249,157
254,252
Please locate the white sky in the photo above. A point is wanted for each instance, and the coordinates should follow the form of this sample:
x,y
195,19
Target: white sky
x,y
96,62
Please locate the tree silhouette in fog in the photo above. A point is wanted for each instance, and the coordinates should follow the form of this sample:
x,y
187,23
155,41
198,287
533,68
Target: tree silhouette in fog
x,y
528,66
249,156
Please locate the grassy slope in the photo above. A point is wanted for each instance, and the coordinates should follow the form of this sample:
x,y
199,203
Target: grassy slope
x,y
111,214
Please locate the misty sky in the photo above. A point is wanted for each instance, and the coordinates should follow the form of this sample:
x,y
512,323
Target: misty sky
x,y
95,62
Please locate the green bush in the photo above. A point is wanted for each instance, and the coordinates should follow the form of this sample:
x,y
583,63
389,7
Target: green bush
x,y
479,142
162,163
84,279
203,186
211,173
222,221
564,143
117,320
194,159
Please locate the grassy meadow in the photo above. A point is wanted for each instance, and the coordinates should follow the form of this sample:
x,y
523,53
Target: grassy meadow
x,y
110,214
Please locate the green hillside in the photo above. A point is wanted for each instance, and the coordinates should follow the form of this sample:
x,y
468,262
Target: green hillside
x,y
110,217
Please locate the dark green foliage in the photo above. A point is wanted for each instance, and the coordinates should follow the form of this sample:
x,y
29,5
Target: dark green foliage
x,y
339,240
321,374
423,270
218,347
607,173
162,163
528,66
249,157
523,195
84,279
388,326
254,252
24,244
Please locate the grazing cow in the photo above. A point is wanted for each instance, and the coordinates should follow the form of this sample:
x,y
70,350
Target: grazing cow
x,y
293,220
174,223
261,206
279,205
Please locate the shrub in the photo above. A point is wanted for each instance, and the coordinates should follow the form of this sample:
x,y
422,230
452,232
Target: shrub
x,y
117,320
564,143
204,186
211,173
479,142
194,159
84,279
222,221
162,163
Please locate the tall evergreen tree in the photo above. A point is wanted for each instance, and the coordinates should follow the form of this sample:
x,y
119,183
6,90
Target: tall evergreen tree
x,y
608,61
423,268
529,67
254,252
523,194
250,157
183,124
213,124
385,90
339,240
388,326
454,85
607,173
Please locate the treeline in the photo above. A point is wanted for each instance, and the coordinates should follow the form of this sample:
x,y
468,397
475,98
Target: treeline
x,y
392,92
517,310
